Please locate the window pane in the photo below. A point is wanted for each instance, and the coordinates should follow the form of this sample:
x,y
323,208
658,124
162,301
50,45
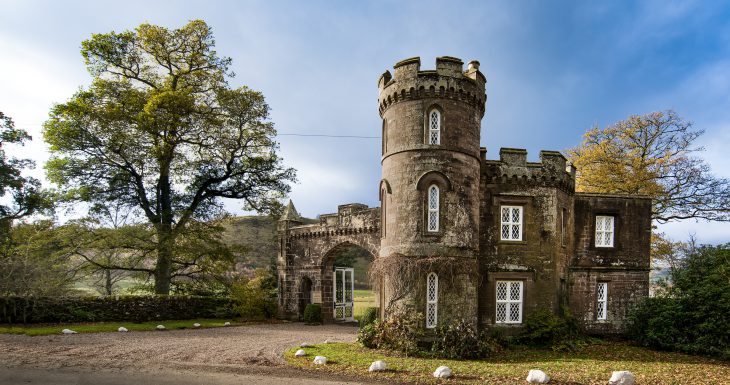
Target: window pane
x,y
434,120
515,215
514,291
505,214
433,197
501,312
514,312
501,291
505,231
515,231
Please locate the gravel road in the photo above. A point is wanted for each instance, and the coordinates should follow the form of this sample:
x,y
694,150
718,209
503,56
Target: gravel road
x,y
249,350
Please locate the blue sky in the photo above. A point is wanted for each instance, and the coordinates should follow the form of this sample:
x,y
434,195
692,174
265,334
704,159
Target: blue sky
x,y
554,69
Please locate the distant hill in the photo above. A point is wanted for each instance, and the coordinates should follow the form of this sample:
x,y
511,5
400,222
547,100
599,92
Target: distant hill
x,y
257,233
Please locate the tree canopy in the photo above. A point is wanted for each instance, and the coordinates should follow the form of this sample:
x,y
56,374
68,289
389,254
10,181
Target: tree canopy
x,y
160,130
653,155
26,194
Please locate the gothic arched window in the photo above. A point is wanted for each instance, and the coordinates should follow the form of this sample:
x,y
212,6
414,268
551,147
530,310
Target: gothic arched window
x,y
434,127
432,297
433,208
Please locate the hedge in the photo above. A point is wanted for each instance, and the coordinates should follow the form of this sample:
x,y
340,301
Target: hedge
x,y
15,310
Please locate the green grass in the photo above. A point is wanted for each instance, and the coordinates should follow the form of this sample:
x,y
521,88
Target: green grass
x,y
591,365
363,300
96,327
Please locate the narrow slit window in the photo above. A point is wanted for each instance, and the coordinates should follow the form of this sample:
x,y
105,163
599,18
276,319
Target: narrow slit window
x,y
434,127
511,223
604,231
509,302
432,296
433,208
602,298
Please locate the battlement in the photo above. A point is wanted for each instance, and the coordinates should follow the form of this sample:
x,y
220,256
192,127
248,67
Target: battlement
x,y
448,80
513,168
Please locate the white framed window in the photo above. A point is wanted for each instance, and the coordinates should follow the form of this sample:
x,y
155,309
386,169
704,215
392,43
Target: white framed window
x,y
434,127
509,302
432,297
602,298
604,231
433,208
511,229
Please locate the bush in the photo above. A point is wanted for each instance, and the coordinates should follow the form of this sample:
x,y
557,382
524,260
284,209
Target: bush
x,y
693,313
313,314
256,297
369,316
460,339
544,328
117,308
401,332
367,334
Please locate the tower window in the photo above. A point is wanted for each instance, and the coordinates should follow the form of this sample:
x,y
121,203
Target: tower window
x,y
433,208
432,297
509,302
511,229
604,231
434,127
602,304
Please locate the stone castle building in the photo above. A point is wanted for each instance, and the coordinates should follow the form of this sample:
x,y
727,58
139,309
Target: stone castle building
x,y
458,235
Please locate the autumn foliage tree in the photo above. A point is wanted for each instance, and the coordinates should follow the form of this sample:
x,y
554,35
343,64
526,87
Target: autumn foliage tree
x,y
653,155
161,130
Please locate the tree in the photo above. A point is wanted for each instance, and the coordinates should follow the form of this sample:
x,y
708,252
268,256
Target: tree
x,y
27,197
653,155
692,314
161,130
33,261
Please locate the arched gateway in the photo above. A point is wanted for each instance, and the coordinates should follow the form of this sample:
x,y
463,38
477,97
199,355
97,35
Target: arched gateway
x,y
318,262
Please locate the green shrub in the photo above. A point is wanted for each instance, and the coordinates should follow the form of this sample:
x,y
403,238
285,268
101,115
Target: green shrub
x,y
460,339
693,313
256,297
367,334
400,332
313,314
369,316
544,328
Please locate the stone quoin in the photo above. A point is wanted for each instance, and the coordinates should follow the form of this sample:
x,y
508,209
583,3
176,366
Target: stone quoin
x,y
512,236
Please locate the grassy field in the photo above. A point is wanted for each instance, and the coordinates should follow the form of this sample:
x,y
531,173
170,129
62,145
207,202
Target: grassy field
x,y
363,300
592,365
95,327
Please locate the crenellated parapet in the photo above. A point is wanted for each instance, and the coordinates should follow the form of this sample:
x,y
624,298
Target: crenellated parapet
x,y
350,219
448,81
513,168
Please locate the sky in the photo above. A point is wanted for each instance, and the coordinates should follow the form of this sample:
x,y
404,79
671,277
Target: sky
x,y
554,70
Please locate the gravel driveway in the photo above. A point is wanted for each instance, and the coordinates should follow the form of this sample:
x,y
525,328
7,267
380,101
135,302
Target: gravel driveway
x,y
240,349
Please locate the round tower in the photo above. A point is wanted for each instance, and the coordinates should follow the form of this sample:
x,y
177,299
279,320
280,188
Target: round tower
x,y
430,182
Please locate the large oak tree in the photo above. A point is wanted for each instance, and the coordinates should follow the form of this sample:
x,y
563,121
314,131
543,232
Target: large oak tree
x,y
161,130
654,155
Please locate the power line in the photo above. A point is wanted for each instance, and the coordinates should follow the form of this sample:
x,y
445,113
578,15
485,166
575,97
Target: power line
x,y
333,136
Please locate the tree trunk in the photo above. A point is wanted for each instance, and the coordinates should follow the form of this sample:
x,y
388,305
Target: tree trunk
x,y
165,236
108,281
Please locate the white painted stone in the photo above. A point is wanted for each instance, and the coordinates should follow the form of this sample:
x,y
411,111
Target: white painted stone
x,y
196,325
122,329
320,360
305,345
378,366
300,353
442,372
68,331
537,377
160,327
227,323
622,377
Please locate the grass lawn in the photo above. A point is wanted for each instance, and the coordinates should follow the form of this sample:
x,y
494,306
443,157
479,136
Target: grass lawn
x,y
95,327
592,365
363,299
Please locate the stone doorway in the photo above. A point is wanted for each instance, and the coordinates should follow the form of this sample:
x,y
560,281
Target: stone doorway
x,y
305,295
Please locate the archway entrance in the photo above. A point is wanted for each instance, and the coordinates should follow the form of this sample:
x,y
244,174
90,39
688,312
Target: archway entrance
x,y
351,291
305,295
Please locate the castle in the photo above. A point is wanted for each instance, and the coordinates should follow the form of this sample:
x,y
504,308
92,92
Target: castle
x,y
460,236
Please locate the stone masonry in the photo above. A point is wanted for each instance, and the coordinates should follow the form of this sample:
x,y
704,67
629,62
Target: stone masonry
x,y
525,237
